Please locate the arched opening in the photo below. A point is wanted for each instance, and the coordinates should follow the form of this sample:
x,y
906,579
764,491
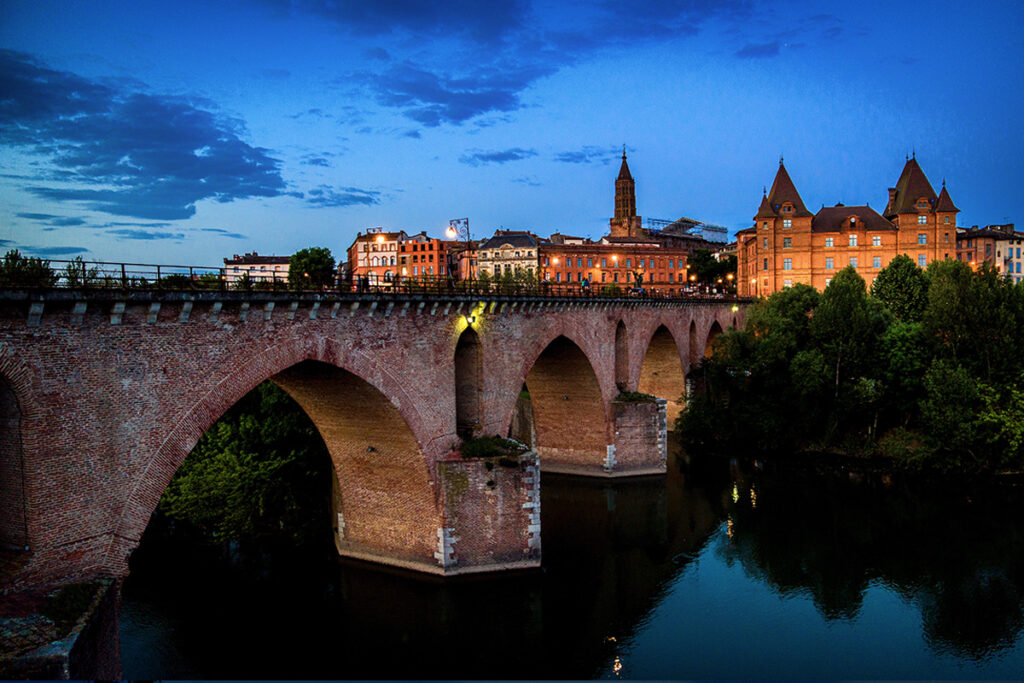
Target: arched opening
x,y
693,345
661,374
715,330
13,525
468,383
384,503
621,357
373,490
568,408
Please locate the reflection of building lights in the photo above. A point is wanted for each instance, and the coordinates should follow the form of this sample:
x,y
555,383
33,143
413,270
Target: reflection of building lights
x,y
735,493
617,666
753,498
728,528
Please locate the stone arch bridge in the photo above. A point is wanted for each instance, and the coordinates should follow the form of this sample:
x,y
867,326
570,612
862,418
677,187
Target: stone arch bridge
x,y
103,395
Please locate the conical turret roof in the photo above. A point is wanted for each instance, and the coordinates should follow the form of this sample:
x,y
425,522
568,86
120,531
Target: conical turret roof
x,y
911,186
624,169
945,202
783,190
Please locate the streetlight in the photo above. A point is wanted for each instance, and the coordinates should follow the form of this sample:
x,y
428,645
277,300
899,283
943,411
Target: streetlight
x,y
458,228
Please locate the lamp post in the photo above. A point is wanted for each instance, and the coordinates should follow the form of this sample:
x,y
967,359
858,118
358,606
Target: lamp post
x,y
458,228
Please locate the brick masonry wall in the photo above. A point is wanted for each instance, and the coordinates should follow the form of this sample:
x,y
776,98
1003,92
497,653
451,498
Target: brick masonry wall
x,y
114,393
491,514
641,438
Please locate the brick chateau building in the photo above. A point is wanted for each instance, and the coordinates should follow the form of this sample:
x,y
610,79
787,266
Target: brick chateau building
x,y
788,244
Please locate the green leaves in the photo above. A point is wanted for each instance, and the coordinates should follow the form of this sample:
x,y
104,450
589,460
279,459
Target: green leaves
x,y
262,469
925,370
311,268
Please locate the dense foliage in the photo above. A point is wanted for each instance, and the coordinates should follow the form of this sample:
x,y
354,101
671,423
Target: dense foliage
x,y
25,271
312,268
925,368
261,470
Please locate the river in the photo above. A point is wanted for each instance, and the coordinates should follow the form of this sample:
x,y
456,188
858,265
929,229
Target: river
x,y
718,570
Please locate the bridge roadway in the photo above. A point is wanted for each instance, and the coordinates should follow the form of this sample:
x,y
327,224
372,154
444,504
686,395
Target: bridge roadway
x,y
104,393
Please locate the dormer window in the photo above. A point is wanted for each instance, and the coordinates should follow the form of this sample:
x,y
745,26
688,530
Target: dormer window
x,y
853,221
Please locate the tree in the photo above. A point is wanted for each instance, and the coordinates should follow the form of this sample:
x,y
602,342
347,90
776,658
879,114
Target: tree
x,y
311,268
903,287
76,274
21,271
261,470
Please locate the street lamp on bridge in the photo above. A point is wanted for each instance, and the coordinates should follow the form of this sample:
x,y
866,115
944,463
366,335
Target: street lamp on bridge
x,y
458,228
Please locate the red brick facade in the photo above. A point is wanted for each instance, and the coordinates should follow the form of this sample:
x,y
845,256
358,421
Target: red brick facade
x,y
113,393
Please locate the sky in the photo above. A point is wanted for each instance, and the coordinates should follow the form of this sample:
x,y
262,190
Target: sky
x,y
185,132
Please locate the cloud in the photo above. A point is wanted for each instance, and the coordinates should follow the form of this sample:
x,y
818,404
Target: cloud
x,y
588,154
526,180
37,216
53,251
315,112
67,222
328,196
131,234
412,133
152,156
312,160
502,156
759,50
377,53
224,233
434,98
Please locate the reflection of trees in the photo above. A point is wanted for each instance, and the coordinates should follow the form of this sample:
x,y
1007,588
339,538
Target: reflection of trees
x,y
959,555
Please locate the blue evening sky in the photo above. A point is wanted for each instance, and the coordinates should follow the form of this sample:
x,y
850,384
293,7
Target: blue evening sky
x,y
187,131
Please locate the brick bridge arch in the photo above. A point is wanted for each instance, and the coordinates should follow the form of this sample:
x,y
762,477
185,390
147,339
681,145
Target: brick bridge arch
x,y
243,373
18,414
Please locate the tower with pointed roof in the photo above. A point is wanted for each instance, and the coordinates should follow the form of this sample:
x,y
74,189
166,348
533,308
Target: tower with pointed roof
x,y
625,223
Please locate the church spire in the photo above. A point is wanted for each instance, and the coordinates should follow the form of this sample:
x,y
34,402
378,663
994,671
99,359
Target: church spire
x,y
625,223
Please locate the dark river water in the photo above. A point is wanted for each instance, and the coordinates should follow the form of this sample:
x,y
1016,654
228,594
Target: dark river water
x,y
722,570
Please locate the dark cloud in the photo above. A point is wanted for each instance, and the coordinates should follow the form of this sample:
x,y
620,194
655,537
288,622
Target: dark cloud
x,y
327,196
759,50
482,21
413,133
155,156
310,160
67,222
589,154
500,156
53,251
224,233
526,180
435,98
316,112
377,53
120,224
37,216
4,243
131,234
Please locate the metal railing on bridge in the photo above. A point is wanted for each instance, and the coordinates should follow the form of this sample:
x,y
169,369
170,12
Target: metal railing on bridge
x,y
102,275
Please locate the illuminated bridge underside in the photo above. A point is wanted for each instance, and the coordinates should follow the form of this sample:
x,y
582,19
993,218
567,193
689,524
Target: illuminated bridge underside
x,y
104,395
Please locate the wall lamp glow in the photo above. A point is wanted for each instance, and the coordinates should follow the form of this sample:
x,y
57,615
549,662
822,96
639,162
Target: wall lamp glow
x,y
470,319
735,308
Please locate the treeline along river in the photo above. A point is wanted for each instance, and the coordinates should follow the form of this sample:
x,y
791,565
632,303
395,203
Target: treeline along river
x,y
721,569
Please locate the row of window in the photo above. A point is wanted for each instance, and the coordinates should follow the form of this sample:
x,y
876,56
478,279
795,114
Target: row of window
x,y
497,254
876,262
640,262
251,269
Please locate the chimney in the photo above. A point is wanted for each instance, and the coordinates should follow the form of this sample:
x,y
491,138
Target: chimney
x,y
892,196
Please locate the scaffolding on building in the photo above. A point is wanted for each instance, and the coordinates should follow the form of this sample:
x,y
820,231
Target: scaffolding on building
x,y
688,226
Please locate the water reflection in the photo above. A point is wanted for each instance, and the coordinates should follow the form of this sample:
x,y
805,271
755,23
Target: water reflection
x,y
643,578
954,551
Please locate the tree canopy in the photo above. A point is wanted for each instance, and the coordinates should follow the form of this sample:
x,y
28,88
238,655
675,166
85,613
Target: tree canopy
x,y
925,369
311,268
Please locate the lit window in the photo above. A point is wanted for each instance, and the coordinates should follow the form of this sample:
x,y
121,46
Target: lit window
x,y
876,262
922,238
876,240
787,222
853,240
764,225
787,242
922,260
853,261
829,242
787,264
787,283
922,219
827,280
